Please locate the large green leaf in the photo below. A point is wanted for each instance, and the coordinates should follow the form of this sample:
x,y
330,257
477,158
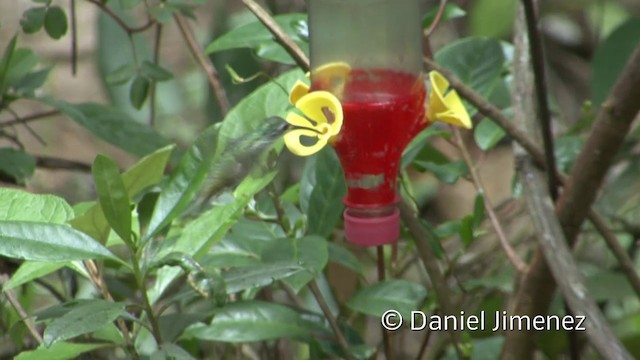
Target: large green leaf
x,y
84,318
254,276
611,56
310,252
325,202
30,270
256,36
113,196
16,164
145,173
18,205
258,321
48,242
59,351
344,257
400,295
112,125
478,62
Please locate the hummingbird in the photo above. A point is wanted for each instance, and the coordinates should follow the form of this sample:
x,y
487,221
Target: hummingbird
x,y
241,155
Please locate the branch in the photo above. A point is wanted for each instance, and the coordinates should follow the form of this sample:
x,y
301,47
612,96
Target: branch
x,y
29,118
430,262
52,163
436,20
205,64
513,257
280,36
11,296
130,30
558,255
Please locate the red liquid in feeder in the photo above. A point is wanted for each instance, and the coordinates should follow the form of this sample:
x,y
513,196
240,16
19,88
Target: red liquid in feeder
x,y
383,111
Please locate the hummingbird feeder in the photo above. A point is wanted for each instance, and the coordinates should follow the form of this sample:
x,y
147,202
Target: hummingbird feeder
x,y
367,98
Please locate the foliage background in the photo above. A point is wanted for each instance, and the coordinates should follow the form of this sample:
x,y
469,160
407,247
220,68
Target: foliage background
x,y
587,43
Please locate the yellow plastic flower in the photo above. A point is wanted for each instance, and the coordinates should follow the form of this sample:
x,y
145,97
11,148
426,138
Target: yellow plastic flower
x,y
321,121
445,104
330,76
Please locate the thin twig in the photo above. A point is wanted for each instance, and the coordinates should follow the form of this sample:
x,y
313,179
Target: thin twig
x,y
513,257
154,84
11,296
47,162
437,19
313,286
430,262
386,334
98,281
544,115
280,36
628,267
205,64
74,38
29,118
130,30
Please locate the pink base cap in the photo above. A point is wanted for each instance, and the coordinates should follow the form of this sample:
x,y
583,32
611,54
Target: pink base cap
x,y
372,231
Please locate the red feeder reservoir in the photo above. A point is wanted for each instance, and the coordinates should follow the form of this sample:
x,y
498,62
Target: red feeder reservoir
x,y
368,54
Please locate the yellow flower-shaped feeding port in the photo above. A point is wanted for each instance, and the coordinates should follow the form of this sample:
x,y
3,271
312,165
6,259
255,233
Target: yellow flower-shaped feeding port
x,y
445,104
322,120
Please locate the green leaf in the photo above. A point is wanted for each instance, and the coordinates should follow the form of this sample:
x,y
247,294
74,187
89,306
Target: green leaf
x,y
416,145
487,134
33,19
6,62
172,325
257,37
185,181
400,295
610,58
121,75
59,351
30,270
310,252
155,72
325,202
344,257
18,205
84,318
478,62
55,22
111,125
27,84
451,11
16,165
48,242
478,210
255,276
491,18
113,197
145,173
139,91
466,230
250,321
45,2
448,173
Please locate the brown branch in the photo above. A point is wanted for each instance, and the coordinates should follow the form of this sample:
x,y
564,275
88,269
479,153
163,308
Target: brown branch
x,y
513,257
154,85
628,267
204,62
544,115
430,262
74,37
129,29
313,286
52,163
436,20
280,36
29,118
558,255
11,297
